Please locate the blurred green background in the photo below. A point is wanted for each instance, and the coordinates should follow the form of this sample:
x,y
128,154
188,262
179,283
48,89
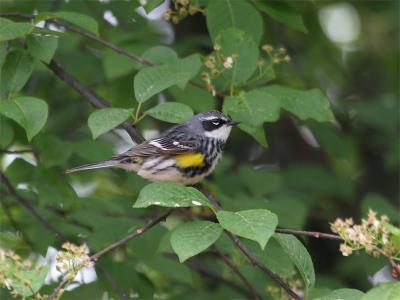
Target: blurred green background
x,y
310,174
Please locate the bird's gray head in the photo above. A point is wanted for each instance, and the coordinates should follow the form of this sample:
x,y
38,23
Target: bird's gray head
x,y
213,124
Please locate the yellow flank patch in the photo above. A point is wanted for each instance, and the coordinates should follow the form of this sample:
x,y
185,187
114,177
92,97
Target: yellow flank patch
x,y
188,160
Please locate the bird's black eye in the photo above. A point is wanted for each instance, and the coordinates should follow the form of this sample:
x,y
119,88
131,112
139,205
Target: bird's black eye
x,y
210,125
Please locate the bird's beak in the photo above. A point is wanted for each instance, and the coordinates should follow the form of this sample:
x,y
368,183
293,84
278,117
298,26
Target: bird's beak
x,y
233,122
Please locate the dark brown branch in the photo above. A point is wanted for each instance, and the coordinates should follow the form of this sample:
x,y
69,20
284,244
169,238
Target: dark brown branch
x,y
93,98
212,275
233,267
113,246
112,283
26,203
313,234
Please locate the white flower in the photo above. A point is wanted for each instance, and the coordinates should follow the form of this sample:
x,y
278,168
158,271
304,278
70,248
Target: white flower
x,y
228,63
143,2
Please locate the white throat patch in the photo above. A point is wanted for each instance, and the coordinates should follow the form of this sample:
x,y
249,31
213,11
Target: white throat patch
x,y
221,133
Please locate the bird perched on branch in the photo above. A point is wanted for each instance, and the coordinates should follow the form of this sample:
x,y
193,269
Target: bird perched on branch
x,y
184,153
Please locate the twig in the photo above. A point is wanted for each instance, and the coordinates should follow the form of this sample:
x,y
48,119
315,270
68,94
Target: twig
x,y
94,99
25,203
112,282
14,223
212,275
113,246
314,234
233,267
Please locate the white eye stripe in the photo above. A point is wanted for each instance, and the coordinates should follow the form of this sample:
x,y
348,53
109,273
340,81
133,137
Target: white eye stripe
x,y
216,123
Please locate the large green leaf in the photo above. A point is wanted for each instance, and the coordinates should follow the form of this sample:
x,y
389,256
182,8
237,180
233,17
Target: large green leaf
x,y
255,224
16,71
170,194
152,4
253,109
282,12
343,294
103,120
191,238
239,14
29,112
239,43
10,30
305,104
298,255
152,80
384,291
42,47
159,55
172,112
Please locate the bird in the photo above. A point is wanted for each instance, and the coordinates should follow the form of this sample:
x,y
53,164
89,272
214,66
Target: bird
x,y
184,153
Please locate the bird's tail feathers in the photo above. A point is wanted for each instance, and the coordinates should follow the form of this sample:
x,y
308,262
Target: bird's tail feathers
x,y
99,165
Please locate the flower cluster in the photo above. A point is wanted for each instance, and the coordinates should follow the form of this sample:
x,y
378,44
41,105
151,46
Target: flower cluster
x,y
372,235
181,9
292,281
276,55
73,259
216,64
14,274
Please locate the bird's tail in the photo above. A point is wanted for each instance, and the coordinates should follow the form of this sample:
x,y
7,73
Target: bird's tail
x,y
99,165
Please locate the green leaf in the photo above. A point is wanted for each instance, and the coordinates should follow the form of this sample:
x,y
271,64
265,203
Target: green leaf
x,y
384,291
239,43
238,14
170,194
255,224
10,30
92,150
191,238
152,80
172,112
253,109
83,21
103,120
6,133
198,99
16,71
282,12
299,255
159,55
35,278
53,150
343,294
309,104
29,112
42,47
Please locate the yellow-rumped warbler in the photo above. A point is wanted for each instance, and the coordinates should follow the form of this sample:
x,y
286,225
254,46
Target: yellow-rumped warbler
x,y
184,153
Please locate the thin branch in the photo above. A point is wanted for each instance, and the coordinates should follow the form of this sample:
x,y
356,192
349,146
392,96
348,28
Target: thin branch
x,y
313,234
26,203
212,275
235,269
113,246
93,98
112,283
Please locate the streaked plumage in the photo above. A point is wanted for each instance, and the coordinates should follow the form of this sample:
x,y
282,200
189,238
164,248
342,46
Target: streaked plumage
x,y
184,153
